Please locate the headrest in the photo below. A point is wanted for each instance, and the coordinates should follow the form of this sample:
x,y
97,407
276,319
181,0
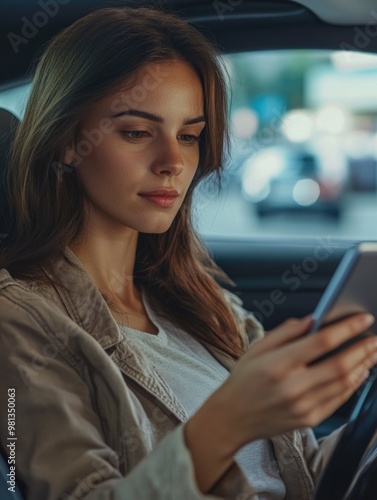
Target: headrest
x,y
8,124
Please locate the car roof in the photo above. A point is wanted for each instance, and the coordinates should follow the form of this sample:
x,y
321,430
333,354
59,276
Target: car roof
x,y
235,25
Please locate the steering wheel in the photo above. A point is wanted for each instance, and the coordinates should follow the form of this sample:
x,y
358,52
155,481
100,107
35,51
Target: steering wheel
x,y
342,467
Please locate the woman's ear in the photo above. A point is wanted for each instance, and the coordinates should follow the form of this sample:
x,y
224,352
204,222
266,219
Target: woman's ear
x,y
70,157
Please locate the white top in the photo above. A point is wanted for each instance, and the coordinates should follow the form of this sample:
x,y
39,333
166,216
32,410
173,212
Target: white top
x,y
193,374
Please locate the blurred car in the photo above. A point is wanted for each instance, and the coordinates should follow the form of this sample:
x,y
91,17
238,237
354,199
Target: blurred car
x,y
288,179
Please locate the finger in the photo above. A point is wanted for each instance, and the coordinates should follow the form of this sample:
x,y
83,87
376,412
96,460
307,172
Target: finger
x,y
362,355
348,363
327,385
321,402
329,406
290,328
313,346
284,333
337,394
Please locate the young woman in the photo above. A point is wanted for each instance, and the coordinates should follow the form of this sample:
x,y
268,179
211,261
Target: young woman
x,y
135,374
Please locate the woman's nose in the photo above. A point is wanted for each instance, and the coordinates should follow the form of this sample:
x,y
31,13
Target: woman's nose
x,y
169,159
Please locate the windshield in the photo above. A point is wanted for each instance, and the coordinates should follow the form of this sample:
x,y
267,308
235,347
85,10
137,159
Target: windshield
x,y
304,147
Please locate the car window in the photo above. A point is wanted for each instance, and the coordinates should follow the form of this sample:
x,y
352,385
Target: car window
x,y
304,147
14,99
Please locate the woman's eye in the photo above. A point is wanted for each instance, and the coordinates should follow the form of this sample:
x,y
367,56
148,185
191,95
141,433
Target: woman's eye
x,y
189,139
134,134
137,135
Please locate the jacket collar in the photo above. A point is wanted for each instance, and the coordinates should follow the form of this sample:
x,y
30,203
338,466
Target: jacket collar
x,y
86,307
84,303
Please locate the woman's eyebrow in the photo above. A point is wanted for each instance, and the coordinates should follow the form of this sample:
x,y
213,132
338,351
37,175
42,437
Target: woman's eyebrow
x,y
155,118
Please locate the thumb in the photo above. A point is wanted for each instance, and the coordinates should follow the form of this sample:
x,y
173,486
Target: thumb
x,y
290,329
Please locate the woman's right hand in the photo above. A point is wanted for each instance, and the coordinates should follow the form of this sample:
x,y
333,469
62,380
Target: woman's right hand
x,y
274,388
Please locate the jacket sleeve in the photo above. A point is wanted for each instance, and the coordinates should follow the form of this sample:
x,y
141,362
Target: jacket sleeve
x,y
61,452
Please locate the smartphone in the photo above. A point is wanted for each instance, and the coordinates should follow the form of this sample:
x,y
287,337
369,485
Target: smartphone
x,y
351,290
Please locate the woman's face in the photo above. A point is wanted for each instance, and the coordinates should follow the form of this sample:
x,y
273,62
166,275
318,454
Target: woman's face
x,y
152,145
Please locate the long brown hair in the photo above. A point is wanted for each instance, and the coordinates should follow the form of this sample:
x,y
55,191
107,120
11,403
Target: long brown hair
x,y
82,64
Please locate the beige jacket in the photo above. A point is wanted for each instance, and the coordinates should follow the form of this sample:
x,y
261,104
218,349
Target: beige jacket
x,y
94,419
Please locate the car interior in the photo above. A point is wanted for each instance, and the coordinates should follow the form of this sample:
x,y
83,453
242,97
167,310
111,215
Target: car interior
x,y
274,274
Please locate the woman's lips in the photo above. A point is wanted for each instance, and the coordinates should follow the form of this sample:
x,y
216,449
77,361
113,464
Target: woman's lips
x,y
161,199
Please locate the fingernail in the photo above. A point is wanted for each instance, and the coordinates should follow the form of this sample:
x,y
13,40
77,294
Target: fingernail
x,y
306,318
367,320
359,379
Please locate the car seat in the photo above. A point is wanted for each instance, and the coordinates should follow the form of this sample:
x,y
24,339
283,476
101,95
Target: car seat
x,y
365,486
8,122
